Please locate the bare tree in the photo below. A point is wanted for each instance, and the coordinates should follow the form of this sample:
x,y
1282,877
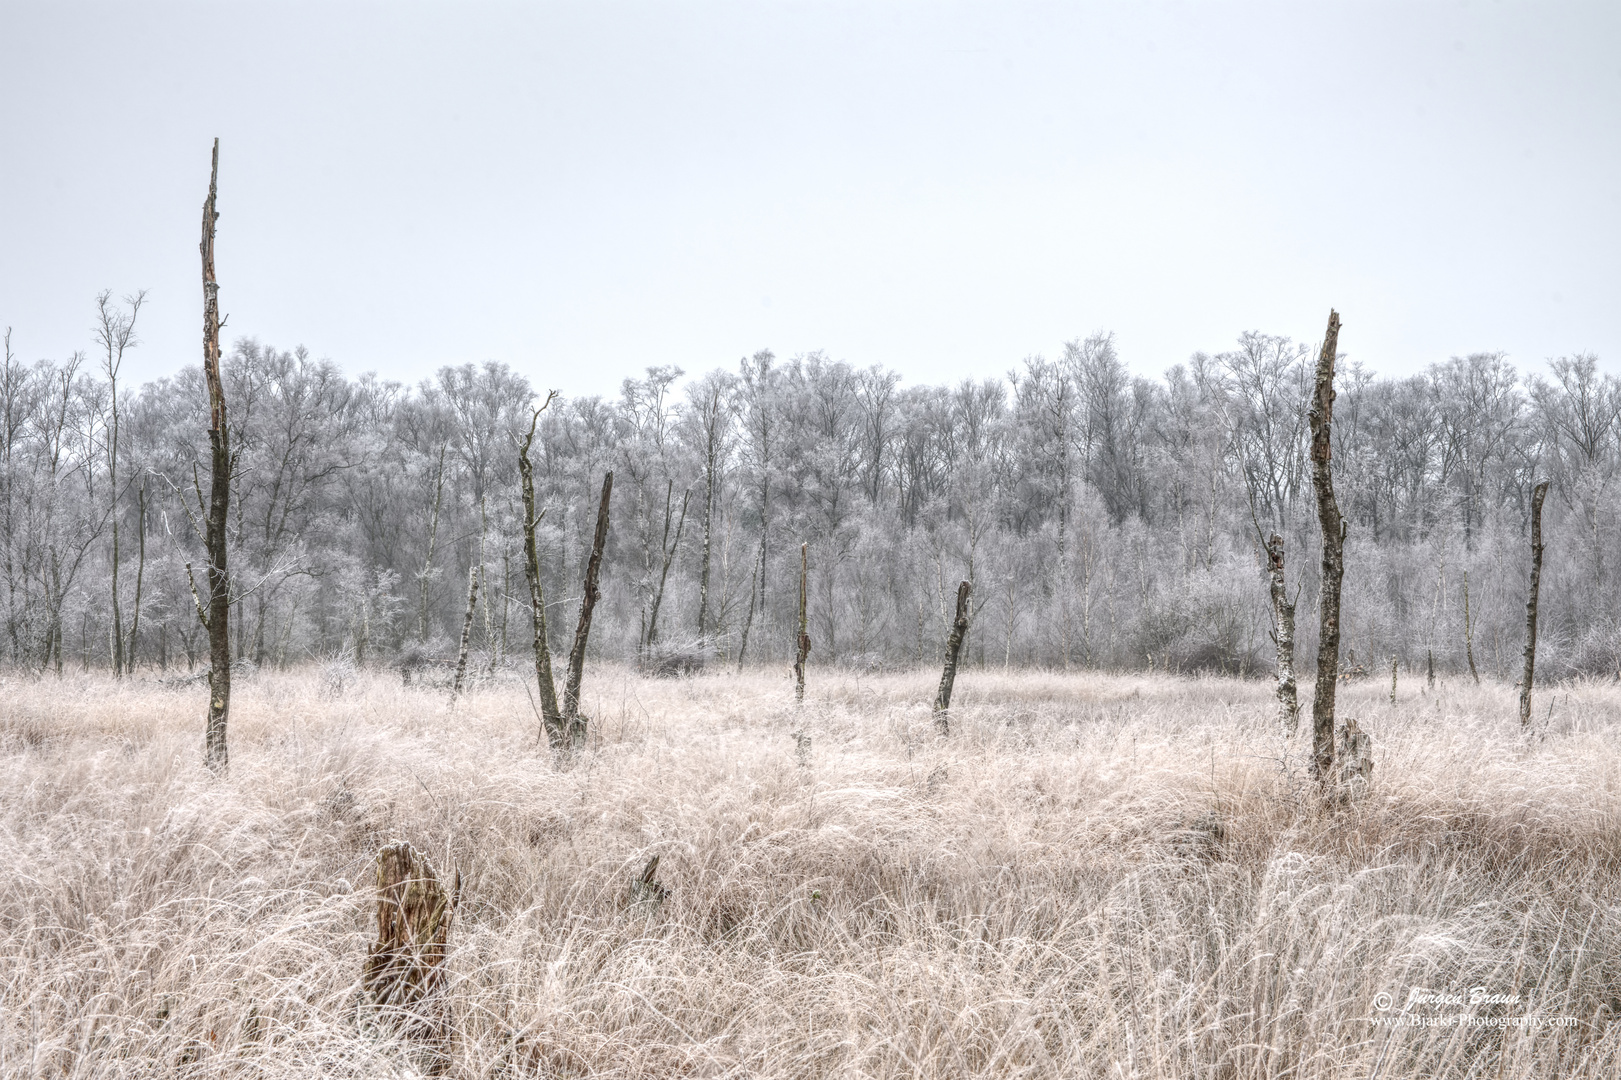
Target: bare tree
x,y
667,550
948,677
115,333
1283,618
467,628
573,723
551,719
1539,493
803,644
1469,631
1321,417
217,618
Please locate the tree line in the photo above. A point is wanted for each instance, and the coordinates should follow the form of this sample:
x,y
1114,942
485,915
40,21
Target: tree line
x,y
1104,519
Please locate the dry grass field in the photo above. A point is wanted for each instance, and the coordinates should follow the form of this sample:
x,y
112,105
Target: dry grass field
x,y
1094,876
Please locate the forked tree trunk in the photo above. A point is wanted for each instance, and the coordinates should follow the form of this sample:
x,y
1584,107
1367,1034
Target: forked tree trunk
x,y
804,643
1283,616
575,724
551,719
959,630
218,620
1538,493
403,978
1321,417
467,629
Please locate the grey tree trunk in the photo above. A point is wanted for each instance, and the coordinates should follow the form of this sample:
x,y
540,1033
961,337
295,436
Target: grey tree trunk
x,y
551,720
803,645
1283,616
218,622
467,629
948,677
668,550
574,723
1539,493
1469,631
1321,417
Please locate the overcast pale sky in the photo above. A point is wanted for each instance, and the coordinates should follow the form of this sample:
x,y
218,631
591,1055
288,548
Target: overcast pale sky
x,y
585,189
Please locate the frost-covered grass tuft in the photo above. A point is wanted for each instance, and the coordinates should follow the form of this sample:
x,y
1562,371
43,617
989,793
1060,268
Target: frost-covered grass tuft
x,y
1094,876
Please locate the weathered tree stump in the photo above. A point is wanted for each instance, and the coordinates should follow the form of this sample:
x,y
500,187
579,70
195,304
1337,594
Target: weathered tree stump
x,y
1354,758
404,976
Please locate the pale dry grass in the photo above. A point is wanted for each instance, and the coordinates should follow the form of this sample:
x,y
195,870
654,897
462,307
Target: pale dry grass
x,y
1040,895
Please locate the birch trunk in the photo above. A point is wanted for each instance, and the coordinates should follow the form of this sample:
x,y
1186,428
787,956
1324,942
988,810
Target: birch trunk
x,y
1539,493
1283,615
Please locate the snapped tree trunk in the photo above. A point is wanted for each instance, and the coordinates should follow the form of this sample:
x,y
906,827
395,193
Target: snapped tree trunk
x,y
574,723
803,645
403,978
1538,493
1283,615
467,629
551,719
1321,417
218,621
959,630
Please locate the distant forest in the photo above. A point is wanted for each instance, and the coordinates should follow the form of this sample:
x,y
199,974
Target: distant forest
x,y
1105,520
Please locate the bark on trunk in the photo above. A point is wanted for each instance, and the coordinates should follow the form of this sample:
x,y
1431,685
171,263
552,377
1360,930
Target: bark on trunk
x,y
668,550
467,629
1283,616
1321,417
959,629
551,719
1469,631
1539,493
574,723
404,974
804,643
218,622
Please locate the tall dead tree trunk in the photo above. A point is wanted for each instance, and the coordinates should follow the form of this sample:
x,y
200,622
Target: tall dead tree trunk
x,y
404,974
1538,493
948,677
467,629
1321,417
1283,616
551,719
218,620
574,723
803,645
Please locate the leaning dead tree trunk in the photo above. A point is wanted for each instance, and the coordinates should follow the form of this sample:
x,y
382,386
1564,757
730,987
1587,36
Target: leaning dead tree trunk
x,y
1283,615
551,719
1321,417
404,975
217,620
804,643
574,724
668,550
959,630
467,629
1538,493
